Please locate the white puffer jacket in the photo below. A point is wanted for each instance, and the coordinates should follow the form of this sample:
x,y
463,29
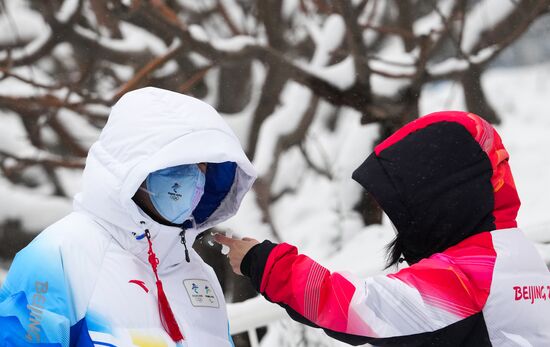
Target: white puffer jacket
x,y
86,280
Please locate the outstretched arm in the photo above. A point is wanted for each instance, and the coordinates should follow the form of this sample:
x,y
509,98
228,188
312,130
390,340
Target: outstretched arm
x,y
408,308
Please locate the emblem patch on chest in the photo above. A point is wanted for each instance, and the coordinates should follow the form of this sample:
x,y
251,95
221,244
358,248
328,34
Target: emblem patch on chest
x,y
201,293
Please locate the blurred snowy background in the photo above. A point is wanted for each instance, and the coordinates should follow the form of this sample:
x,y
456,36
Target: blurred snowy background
x,y
309,86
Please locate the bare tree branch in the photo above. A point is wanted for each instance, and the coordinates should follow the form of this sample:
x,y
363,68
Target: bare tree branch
x,y
43,158
354,38
141,76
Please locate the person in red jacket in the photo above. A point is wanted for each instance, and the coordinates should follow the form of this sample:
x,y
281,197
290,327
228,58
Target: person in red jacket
x,y
474,279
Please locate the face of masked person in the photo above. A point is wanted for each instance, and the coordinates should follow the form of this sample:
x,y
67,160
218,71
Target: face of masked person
x,y
175,191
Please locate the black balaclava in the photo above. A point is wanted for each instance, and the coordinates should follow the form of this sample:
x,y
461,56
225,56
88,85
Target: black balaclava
x,y
435,184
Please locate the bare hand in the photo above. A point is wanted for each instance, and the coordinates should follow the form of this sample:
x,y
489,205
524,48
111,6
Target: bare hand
x,y
237,249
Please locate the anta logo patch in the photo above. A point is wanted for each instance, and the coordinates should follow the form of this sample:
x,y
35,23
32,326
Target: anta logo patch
x,y
201,293
175,195
141,284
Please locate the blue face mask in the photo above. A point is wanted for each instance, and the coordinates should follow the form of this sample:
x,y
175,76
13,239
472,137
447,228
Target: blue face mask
x,y
176,191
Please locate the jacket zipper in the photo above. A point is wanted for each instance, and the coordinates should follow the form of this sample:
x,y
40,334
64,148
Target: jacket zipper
x,y
183,241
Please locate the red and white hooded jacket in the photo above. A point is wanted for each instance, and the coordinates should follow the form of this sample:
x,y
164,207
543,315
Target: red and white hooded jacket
x,y
474,280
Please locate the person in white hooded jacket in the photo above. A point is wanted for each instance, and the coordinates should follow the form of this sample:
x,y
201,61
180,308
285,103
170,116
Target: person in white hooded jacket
x,y
112,273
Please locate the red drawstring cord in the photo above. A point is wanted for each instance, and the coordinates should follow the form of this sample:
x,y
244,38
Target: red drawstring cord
x,y
166,315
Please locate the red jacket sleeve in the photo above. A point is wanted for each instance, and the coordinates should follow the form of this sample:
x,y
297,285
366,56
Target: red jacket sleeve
x,y
307,287
409,307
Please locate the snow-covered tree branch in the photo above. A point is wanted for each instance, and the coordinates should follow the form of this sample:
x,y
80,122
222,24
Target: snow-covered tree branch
x,y
309,86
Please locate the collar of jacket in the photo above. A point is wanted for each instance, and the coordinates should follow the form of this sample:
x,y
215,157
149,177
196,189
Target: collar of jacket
x,y
166,240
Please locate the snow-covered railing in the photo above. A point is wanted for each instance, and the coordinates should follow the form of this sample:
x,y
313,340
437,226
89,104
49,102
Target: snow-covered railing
x,y
251,314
